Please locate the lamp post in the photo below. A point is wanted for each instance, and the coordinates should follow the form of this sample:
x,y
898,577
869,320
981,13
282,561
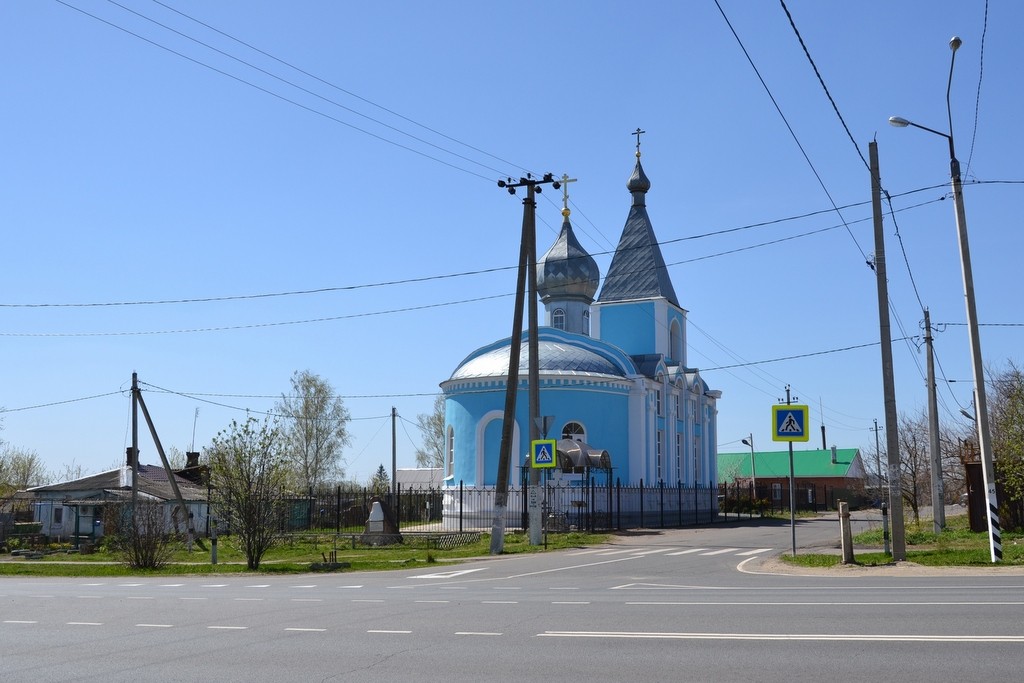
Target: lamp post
x,y
753,470
981,407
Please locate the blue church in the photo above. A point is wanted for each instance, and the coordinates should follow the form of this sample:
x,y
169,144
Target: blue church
x,y
613,371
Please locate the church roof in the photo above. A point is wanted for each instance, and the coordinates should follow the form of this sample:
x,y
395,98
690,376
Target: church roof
x,y
638,269
567,270
559,353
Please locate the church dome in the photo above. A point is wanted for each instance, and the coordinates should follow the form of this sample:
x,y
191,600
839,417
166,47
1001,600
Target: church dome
x,y
560,353
567,270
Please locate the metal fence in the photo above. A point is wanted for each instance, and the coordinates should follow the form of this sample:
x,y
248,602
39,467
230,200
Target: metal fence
x,y
571,506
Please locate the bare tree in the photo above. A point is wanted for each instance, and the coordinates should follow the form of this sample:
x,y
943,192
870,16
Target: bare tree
x,y
249,474
316,429
915,469
431,426
143,542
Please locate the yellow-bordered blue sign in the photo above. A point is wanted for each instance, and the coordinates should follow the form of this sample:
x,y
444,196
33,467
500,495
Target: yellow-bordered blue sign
x,y
789,423
542,453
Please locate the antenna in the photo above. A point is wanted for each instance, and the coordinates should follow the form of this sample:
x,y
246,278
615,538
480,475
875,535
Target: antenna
x,y
194,420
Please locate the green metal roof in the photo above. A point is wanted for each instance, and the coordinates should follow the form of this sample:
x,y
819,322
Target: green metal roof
x,y
807,464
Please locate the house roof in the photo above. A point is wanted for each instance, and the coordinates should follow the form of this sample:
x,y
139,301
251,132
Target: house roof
x,y
153,481
806,464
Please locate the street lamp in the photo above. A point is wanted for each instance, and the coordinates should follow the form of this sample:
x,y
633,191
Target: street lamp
x,y
981,407
753,471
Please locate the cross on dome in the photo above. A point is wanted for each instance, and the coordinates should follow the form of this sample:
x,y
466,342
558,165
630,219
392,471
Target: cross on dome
x,y
565,193
638,133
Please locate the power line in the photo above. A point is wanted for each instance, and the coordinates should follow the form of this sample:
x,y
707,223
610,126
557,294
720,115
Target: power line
x,y
977,97
824,87
790,128
60,403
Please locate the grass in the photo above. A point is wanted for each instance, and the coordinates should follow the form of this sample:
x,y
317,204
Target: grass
x,y
291,556
956,546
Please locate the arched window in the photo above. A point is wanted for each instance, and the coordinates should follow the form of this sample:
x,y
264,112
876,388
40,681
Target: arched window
x,y
449,465
574,431
675,342
586,323
558,319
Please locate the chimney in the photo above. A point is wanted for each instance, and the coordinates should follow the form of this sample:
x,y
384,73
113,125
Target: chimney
x,y
833,455
191,459
129,456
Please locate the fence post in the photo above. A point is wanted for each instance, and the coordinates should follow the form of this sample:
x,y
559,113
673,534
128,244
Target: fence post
x,y
461,491
618,503
661,501
679,502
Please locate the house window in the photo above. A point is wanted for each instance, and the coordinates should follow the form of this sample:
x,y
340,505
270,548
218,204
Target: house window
x,y
574,431
449,466
776,491
558,319
586,323
58,515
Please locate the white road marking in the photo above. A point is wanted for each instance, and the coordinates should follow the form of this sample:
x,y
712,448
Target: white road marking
x,y
448,575
19,621
477,633
307,600
439,602
653,551
687,552
93,584
129,585
719,552
90,597
228,628
885,638
84,623
214,585
138,597
155,625
171,585
386,631
259,585
567,602
499,602
754,552
309,586
249,599
307,630
366,600
193,598
349,586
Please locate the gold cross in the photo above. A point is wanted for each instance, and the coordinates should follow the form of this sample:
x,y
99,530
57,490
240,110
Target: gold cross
x,y
638,133
565,193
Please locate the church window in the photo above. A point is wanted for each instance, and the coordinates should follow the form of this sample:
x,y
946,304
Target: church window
x,y
675,342
657,402
449,466
558,319
586,323
574,431
661,439
679,455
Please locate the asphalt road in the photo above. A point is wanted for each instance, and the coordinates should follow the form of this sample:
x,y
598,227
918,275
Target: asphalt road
x,y
704,604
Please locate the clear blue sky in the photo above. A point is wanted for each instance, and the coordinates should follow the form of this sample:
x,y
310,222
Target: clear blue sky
x,y
140,166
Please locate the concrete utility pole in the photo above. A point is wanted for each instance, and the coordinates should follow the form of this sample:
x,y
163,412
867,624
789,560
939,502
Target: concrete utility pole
x,y
527,264
394,458
978,368
938,495
899,543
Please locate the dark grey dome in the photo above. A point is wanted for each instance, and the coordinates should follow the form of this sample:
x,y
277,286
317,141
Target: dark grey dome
x,y
567,270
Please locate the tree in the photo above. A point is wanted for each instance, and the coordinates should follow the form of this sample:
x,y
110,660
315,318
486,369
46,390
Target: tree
x,y
316,430
380,482
431,426
248,475
20,469
1006,408
141,540
915,463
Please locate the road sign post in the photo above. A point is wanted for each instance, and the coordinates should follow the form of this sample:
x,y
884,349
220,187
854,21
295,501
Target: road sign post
x,y
790,423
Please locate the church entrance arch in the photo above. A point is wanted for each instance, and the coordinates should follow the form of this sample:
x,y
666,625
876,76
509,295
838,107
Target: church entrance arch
x,y
575,432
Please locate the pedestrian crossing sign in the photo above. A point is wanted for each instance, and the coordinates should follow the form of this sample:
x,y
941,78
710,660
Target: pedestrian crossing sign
x,y
789,423
542,453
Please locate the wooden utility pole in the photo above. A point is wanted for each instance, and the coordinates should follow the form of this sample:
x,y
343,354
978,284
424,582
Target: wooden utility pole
x,y
527,263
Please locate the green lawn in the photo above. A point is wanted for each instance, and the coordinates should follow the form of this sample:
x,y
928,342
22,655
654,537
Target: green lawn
x,y
292,555
957,545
